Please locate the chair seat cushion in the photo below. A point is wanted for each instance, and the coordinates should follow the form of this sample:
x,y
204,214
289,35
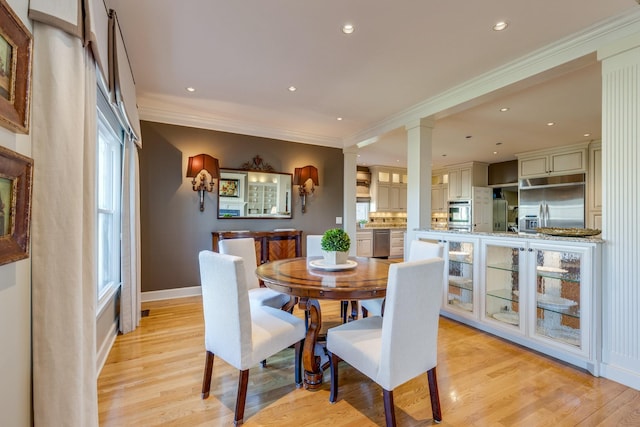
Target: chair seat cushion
x,y
373,306
267,297
358,343
272,330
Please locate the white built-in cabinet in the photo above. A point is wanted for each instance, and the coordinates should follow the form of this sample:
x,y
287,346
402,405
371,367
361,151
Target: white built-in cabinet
x,y
439,191
482,211
396,248
463,177
558,161
543,293
364,243
388,189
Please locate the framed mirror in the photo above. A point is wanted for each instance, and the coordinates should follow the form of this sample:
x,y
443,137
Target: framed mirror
x,y
254,194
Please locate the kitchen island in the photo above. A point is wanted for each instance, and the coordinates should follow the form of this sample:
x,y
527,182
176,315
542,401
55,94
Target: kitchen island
x,y
539,291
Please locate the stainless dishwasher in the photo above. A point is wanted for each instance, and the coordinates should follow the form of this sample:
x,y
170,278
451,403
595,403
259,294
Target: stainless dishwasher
x,y
381,243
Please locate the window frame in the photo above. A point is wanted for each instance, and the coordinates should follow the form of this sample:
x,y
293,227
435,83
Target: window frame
x,y
109,128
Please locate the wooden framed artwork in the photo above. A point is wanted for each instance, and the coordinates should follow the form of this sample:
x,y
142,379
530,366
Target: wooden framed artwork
x,y
16,172
229,188
15,71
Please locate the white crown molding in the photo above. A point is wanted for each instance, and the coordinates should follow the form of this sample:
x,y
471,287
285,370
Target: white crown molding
x,y
557,54
212,122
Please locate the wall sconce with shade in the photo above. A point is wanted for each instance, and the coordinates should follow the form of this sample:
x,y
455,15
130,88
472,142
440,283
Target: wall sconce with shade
x,y
204,170
300,178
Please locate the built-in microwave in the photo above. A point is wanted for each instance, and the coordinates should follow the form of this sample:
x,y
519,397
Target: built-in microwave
x,y
459,215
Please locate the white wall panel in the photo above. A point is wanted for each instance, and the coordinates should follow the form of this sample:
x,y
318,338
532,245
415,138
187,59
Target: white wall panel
x,y
621,207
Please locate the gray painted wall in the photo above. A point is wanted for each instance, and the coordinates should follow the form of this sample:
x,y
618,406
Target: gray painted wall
x,y
173,229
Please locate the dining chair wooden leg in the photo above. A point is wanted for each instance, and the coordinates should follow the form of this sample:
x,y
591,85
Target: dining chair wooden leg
x,y
435,396
243,381
389,410
208,371
298,363
334,360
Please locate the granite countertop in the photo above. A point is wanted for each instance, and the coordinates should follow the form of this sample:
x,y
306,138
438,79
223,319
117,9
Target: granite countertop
x,y
592,239
383,227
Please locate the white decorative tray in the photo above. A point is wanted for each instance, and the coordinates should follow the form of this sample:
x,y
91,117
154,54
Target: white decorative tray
x,y
554,302
320,263
510,317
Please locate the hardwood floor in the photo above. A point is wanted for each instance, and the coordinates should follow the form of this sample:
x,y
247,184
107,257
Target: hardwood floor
x,y
153,376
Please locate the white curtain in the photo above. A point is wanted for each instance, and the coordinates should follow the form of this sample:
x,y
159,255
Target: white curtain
x,y
64,230
130,294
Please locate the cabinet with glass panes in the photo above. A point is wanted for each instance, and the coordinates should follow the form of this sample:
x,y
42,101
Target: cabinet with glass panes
x,y
502,282
560,292
536,291
460,272
263,198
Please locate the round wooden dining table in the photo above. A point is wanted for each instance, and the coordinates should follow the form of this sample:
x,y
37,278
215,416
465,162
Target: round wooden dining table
x,y
309,280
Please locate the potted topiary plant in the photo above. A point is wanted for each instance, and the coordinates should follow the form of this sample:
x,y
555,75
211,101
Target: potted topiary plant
x,y
335,246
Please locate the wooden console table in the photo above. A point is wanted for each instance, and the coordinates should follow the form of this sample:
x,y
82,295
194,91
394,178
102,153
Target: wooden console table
x,y
270,245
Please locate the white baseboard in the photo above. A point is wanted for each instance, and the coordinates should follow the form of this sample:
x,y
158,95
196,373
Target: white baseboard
x,y
191,291
620,375
105,347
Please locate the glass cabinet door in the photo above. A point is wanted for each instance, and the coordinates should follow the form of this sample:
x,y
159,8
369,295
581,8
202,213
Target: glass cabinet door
x,y
557,294
460,280
502,283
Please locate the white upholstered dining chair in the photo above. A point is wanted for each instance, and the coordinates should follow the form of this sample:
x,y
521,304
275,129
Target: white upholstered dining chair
x,y
245,248
418,249
403,344
240,333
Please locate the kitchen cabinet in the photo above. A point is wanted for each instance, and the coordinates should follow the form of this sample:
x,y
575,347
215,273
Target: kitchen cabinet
x,y
542,293
465,176
482,210
388,189
460,273
396,249
364,243
566,160
262,198
439,191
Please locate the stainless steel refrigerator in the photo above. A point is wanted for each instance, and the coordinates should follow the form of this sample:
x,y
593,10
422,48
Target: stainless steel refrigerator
x,y
555,201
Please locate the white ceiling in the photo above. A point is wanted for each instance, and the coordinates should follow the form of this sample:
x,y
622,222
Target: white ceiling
x,y
241,56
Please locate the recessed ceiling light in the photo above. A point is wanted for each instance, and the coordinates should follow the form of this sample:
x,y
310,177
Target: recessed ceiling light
x,y
292,88
503,109
586,134
495,152
339,119
348,28
551,123
444,155
500,25
498,143
468,137
191,89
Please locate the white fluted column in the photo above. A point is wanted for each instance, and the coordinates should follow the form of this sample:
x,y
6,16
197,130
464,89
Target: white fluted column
x,y
621,204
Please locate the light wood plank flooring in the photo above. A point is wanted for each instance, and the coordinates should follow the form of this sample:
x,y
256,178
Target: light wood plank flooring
x,y
153,377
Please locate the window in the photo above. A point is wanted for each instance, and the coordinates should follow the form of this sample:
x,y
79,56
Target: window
x,y
109,181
